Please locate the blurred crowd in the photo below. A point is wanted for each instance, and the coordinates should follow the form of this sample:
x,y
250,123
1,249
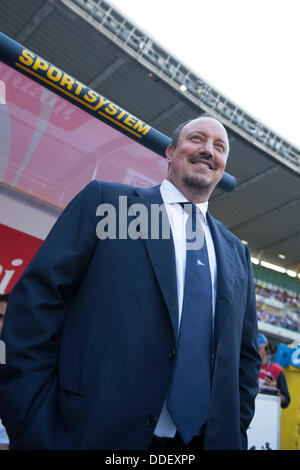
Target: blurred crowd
x,y
284,311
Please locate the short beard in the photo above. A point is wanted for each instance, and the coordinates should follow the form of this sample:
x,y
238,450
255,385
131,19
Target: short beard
x,y
193,183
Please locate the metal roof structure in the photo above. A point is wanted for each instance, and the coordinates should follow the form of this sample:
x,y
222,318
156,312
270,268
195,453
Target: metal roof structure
x,y
96,44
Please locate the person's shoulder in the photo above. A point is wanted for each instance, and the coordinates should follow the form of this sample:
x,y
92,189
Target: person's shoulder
x,y
240,249
110,185
108,188
223,227
276,367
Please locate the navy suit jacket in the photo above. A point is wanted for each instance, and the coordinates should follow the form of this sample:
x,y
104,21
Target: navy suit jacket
x,y
91,330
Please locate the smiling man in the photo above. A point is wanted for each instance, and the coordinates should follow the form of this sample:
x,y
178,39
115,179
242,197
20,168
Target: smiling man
x,y
144,343
197,157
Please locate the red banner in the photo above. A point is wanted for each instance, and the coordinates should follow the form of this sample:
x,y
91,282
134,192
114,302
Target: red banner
x,y
16,251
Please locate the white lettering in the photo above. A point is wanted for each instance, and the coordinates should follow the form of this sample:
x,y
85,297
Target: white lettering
x,y
141,221
8,274
171,459
108,221
2,352
116,460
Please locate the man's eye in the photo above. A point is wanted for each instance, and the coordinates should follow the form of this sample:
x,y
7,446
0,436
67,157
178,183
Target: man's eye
x,y
221,147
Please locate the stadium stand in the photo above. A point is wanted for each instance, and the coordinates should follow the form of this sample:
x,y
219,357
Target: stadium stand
x,y
277,298
277,280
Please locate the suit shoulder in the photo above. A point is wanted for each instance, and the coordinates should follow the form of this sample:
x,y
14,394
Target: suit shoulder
x,y
226,230
113,187
237,240
239,246
102,190
234,237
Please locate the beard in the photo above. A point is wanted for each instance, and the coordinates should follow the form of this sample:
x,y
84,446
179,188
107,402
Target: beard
x,y
196,183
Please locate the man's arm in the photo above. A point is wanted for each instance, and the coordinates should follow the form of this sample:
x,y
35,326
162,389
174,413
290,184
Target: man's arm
x,y
36,308
249,358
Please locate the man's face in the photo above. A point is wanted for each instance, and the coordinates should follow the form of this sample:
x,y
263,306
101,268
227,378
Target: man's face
x,y
3,306
198,162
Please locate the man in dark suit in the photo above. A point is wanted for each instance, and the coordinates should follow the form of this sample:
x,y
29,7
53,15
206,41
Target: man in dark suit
x,y
104,348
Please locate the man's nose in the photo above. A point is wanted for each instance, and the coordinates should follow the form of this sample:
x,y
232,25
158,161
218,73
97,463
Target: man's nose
x,y
207,147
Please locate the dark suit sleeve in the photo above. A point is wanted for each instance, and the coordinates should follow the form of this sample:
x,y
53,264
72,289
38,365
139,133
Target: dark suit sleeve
x,y
249,358
36,308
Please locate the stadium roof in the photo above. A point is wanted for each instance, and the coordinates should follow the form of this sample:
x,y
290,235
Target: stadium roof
x,y
97,45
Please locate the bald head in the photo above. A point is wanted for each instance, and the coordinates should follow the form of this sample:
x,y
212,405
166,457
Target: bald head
x,y
176,133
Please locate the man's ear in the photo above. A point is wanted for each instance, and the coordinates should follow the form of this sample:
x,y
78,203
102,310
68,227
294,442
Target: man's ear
x,y
169,152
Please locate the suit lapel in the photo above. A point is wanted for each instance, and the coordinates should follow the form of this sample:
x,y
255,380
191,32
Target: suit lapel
x,y
224,249
161,253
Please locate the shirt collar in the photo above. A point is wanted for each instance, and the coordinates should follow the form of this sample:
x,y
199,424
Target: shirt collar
x,y
172,195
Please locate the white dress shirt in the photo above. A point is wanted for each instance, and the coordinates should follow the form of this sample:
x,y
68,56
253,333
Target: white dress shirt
x,y
3,436
172,198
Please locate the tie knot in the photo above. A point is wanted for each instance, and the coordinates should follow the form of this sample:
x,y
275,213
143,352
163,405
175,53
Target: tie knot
x,y
192,211
193,229
189,207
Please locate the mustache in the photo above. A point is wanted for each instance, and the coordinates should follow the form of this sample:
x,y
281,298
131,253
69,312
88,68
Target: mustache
x,y
198,157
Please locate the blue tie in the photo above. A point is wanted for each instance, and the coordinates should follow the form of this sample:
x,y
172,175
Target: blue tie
x,y
189,394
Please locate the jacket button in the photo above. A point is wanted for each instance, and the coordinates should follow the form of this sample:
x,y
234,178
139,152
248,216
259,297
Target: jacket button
x,y
151,421
172,354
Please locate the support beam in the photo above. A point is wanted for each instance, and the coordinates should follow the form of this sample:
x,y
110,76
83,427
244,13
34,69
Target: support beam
x,y
281,208
160,62
276,242
175,108
249,182
35,21
112,68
